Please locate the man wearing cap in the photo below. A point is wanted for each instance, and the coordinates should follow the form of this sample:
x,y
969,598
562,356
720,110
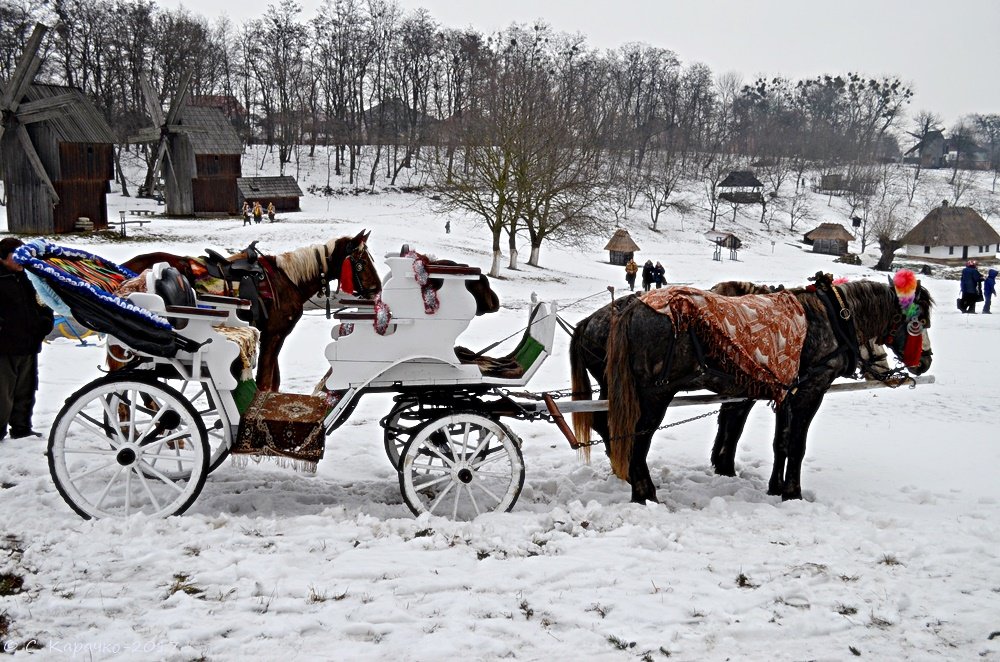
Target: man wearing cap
x,y
24,323
971,284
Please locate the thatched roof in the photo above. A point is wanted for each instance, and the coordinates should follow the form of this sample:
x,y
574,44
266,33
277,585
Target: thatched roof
x,y
741,179
622,242
215,136
952,226
267,188
834,231
79,122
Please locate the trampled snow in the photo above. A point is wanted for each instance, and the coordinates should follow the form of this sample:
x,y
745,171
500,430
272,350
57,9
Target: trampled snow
x,y
892,554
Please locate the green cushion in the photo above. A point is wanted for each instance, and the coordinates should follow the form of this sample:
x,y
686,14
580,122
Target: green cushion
x,y
243,394
527,352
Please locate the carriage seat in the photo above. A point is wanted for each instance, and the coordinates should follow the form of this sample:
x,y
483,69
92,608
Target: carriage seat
x,y
535,345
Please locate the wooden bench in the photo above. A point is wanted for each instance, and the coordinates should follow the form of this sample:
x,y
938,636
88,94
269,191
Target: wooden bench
x,y
121,223
142,212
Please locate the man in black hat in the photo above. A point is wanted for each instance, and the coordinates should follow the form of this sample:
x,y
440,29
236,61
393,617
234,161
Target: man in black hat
x,y
24,323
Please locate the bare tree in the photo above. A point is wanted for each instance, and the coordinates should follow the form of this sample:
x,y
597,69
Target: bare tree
x,y
961,183
798,209
889,226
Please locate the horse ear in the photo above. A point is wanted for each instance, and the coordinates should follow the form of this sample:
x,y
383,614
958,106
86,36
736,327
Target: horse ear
x,y
360,239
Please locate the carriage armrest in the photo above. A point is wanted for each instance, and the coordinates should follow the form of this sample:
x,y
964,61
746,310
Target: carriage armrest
x,y
449,270
218,300
352,315
356,302
191,312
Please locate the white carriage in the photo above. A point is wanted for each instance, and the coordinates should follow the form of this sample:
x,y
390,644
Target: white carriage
x,y
143,439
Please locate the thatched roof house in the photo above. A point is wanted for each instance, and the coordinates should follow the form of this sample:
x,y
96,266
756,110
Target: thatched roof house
x,y
952,234
621,247
283,191
828,238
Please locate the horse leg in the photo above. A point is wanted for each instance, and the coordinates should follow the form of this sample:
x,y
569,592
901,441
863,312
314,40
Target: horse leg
x,y
643,489
732,419
268,375
804,408
776,485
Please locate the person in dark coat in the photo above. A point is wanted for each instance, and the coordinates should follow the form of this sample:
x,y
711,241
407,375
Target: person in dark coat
x,y
659,275
971,287
989,289
647,275
24,323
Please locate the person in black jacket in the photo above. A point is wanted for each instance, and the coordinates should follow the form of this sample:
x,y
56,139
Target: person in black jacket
x,y
24,323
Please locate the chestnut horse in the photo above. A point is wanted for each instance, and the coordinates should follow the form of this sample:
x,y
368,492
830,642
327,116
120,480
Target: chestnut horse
x,y
648,363
293,277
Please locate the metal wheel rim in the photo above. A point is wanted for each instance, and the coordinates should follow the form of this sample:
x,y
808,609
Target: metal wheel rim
x,y
461,466
151,462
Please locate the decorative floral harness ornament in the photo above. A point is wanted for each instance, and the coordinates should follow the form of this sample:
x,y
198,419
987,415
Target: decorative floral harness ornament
x,y
905,283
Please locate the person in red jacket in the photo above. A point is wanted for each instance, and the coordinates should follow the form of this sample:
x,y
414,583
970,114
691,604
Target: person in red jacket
x,y
24,323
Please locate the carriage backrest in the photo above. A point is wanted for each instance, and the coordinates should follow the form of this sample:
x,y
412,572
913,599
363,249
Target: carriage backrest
x,y
538,339
172,287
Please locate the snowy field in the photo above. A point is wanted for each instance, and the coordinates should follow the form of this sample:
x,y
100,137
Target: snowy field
x,y
892,554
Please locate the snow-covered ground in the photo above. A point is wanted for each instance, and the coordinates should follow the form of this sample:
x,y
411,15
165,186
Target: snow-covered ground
x,y
891,555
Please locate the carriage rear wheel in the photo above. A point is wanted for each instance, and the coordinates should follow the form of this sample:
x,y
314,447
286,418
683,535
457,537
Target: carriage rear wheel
x,y
401,422
461,465
120,447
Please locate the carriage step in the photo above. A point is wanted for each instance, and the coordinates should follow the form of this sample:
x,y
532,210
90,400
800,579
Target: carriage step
x,y
283,424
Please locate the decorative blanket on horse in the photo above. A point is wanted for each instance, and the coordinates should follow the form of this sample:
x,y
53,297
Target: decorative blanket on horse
x,y
757,338
284,425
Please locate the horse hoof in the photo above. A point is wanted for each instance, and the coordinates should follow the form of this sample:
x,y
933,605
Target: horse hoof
x,y
792,496
775,490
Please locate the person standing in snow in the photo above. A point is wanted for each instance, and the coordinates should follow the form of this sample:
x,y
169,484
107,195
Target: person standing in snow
x,y
971,287
631,269
258,212
647,275
989,289
270,212
659,275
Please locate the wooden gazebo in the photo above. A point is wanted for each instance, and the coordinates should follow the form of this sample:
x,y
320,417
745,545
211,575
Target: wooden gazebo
x,y
56,153
828,238
741,187
621,247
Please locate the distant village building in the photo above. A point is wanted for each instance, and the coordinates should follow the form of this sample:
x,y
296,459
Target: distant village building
x,y
621,247
283,191
929,152
828,238
741,187
952,235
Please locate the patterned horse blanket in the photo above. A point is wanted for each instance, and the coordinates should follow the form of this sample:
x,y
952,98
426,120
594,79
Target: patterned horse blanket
x,y
757,338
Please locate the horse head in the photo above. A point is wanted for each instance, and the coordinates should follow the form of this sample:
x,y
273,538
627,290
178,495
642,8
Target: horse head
x,y
357,272
907,333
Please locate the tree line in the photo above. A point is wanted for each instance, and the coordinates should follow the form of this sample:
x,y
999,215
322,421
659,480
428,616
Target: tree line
x,y
532,131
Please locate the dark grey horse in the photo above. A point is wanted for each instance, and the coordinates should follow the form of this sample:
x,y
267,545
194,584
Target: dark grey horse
x,y
647,344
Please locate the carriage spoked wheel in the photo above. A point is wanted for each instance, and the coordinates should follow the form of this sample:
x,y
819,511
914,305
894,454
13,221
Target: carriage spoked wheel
x,y
121,447
216,421
400,423
461,465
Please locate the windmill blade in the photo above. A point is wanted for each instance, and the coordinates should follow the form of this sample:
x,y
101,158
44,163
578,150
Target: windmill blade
x,y
43,109
26,69
180,98
36,163
164,150
184,128
149,135
152,101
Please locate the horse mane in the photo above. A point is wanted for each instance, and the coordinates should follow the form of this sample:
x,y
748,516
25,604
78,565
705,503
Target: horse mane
x,y
301,265
876,300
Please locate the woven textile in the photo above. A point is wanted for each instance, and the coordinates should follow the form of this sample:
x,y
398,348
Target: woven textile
x,y
285,425
757,338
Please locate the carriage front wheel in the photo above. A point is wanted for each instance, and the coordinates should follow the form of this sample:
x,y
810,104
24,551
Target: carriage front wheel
x,y
460,466
120,447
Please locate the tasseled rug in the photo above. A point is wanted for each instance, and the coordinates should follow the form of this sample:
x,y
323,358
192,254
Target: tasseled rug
x,y
757,338
283,425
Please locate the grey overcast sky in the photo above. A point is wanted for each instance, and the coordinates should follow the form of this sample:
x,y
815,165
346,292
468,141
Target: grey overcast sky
x,y
949,50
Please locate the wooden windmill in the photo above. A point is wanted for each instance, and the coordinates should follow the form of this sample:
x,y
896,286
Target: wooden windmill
x,y
55,151
198,153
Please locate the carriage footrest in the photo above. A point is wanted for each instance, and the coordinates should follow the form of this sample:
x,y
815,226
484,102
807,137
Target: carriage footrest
x,y
283,424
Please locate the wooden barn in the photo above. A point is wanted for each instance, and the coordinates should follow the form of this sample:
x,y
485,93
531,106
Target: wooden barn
x,y
828,238
198,153
55,152
283,191
621,246
952,235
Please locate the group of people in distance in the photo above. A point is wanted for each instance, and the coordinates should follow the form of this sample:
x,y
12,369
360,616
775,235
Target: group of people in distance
x,y
257,212
651,275
972,290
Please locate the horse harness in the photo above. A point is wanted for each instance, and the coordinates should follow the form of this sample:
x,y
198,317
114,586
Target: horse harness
x,y
350,274
247,273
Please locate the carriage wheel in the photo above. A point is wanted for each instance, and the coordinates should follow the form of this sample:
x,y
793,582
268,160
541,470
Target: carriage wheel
x,y
152,458
460,466
400,423
216,421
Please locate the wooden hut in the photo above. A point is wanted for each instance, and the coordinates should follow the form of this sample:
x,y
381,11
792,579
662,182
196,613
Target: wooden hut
x,y
828,238
952,235
283,191
55,153
197,150
741,187
621,247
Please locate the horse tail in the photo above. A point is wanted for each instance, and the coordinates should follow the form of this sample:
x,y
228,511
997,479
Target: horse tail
x,y
623,402
580,386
